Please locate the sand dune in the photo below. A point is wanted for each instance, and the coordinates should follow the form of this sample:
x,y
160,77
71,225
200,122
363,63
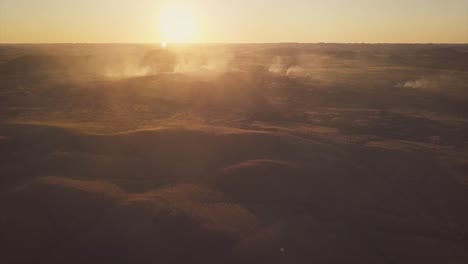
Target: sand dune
x,y
340,162
224,187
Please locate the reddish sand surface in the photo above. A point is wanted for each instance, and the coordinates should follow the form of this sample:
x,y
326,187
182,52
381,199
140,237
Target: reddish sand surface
x,y
267,153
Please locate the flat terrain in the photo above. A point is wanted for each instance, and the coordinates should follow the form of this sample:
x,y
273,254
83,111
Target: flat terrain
x,y
266,153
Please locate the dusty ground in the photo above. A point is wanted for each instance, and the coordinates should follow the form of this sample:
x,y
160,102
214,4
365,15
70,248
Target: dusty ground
x,y
286,153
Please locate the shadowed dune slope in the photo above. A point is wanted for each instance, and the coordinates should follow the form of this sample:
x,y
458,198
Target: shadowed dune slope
x,y
214,193
234,153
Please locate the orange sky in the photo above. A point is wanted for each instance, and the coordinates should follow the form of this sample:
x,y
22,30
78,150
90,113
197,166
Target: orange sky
x,y
89,21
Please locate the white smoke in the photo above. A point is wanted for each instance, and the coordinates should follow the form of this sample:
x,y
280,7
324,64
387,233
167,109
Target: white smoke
x,y
424,84
286,66
192,61
437,82
277,66
204,62
127,71
296,71
453,84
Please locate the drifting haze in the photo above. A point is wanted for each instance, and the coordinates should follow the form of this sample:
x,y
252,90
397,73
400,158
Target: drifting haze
x,y
234,153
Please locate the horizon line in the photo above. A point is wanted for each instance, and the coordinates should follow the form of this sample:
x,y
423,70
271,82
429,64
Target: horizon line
x,y
235,43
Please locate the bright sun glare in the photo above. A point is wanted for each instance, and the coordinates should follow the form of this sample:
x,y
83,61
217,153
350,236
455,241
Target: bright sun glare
x,y
177,24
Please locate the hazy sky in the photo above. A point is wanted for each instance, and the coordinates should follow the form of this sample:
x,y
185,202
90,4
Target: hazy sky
x,y
237,20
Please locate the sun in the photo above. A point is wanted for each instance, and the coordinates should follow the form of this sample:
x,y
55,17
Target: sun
x,y
177,24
